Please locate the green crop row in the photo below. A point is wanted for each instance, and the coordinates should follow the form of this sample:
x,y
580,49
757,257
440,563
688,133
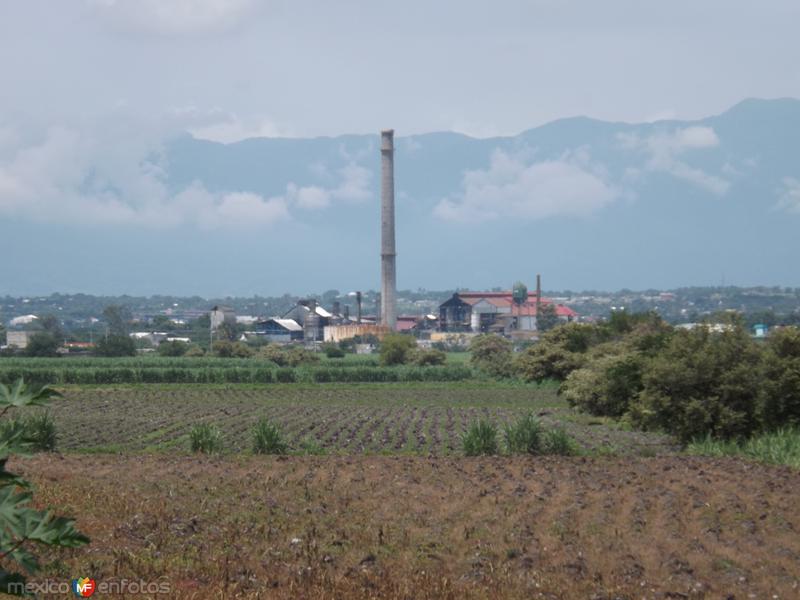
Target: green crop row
x,y
231,374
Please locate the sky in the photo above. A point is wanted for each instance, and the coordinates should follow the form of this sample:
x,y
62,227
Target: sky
x,y
91,89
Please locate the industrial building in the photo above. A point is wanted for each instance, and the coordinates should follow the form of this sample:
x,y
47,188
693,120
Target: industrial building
x,y
495,312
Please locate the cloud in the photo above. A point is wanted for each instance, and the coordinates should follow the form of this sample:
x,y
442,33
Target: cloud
x,y
84,177
790,196
512,189
175,17
227,128
665,149
353,186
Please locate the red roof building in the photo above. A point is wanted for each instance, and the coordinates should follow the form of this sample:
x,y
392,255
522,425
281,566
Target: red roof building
x,y
482,312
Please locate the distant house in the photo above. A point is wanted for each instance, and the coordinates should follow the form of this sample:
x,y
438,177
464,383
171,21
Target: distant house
x,y
22,320
280,330
18,339
484,312
222,314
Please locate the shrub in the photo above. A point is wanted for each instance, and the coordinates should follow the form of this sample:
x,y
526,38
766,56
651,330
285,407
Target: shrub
x,y
174,348
194,351
274,353
396,349
333,351
524,436
42,343
780,447
428,358
480,439
267,438
40,430
606,386
491,354
205,438
557,441
226,349
702,383
298,356
115,345
780,401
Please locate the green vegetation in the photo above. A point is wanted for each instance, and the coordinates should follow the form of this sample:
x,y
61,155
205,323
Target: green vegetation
x,y
396,349
37,430
267,438
205,438
22,526
528,436
492,355
480,439
781,447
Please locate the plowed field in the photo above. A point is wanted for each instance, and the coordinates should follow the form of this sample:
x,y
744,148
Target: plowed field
x,y
409,418
415,527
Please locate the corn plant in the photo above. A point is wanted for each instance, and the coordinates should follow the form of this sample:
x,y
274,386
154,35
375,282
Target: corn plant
x,y
205,438
267,438
480,439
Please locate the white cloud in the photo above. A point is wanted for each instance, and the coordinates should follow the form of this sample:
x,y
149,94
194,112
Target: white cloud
x,y
231,128
86,177
512,189
665,152
171,17
353,186
790,196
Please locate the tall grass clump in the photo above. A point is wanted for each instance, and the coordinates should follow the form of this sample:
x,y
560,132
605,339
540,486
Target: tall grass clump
x,y
480,439
205,438
780,447
525,436
558,441
528,436
267,438
36,431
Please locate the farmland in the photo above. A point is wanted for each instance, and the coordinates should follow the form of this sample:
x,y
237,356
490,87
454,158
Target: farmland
x,y
417,527
416,418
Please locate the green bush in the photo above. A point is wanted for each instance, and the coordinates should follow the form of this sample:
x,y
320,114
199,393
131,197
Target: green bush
x,y
333,351
205,438
524,436
194,351
428,358
115,346
491,354
480,439
396,349
780,401
40,430
557,441
174,348
267,438
606,386
702,383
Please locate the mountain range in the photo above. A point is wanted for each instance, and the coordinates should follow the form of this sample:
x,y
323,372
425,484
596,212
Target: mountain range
x,y
588,204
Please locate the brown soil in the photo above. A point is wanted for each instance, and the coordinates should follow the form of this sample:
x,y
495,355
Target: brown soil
x,y
414,527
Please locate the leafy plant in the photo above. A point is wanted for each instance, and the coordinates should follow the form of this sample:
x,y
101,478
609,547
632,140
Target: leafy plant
x,y
267,438
558,441
524,436
205,438
38,431
396,349
480,439
20,525
491,354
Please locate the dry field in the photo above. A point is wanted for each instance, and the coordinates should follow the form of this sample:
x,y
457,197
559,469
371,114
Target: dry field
x,y
389,418
414,527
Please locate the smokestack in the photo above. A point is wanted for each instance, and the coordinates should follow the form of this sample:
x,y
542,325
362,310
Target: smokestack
x,y
358,307
388,274
538,294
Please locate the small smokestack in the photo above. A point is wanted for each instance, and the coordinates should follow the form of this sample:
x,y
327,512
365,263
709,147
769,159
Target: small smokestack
x,y
388,314
538,294
337,308
358,307
346,314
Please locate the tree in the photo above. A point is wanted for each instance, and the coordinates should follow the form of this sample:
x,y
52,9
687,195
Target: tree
x,y
173,348
396,349
52,325
491,354
118,319
780,404
115,345
547,318
21,526
42,343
